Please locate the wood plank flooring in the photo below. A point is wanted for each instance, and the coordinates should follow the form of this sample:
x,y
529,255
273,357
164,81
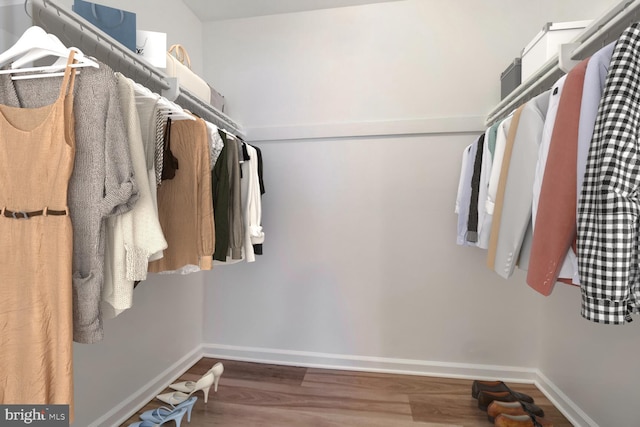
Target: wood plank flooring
x,y
253,394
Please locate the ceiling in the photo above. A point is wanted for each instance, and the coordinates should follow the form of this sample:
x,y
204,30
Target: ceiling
x,y
217,10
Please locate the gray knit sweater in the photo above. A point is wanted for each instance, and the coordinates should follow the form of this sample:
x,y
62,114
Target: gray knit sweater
x,y
102,183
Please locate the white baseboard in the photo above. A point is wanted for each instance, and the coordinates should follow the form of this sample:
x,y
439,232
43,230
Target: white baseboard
x,y
120,413
370,364
568,407
406,367
129,406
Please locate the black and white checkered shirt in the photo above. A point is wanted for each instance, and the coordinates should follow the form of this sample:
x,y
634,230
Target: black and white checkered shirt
x,y
609,204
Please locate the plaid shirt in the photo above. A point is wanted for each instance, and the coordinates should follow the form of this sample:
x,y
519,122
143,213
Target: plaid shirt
x,y
609,204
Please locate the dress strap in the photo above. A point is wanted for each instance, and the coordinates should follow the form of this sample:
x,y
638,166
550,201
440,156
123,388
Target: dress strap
x,y
69,76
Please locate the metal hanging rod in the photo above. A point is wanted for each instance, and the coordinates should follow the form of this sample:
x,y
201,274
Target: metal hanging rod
x,y
73,30
602,31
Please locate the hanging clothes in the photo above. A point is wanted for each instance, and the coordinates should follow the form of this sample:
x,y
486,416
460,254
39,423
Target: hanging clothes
x,y
251,207
490,137
502,132
236,229
569,266
152,123
463,198
134,236
253,213
608,237
102,183
547,132
555,225
221,192
228,202
215,143
472,220
594,80
514,224
37,149
258,245
184,202
499,186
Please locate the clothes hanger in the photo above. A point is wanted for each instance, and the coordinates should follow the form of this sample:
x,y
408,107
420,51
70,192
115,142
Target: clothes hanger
x,y
229,134
167,108
35,43
173,110
52,70
38,53
33,36
142,92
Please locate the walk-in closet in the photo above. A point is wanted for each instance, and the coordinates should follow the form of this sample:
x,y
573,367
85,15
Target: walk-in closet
x,y
303,241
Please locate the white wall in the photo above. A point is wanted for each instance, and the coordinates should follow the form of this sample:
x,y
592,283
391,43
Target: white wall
x,y
13,21
412,59
140,347
360,257
595,365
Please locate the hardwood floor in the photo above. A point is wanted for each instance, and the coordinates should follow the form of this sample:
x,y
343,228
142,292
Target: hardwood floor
x,y
252,394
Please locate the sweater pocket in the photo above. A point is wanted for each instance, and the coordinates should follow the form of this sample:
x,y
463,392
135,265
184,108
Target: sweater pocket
x,y
87,322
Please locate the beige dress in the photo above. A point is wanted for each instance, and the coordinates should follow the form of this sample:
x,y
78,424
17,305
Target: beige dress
x,y
36,160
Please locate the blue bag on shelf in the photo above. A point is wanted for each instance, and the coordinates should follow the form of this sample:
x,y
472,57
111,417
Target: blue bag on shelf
x,y
119,24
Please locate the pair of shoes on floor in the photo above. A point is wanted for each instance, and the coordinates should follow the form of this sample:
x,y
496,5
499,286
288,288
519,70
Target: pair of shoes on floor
x,y
157,417
507,408
516,414
185,389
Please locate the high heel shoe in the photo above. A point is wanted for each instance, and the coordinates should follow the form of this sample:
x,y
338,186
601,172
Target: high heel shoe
x,y
156,415
177,397
175,415
189,386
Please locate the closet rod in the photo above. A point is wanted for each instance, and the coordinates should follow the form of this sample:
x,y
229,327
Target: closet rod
x,y
607,29
603,30
73,30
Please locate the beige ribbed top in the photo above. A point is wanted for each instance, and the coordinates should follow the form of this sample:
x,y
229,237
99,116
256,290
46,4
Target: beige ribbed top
x,y
184,202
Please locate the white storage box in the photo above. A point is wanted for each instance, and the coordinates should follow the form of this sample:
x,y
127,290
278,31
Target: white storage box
x,y
547,43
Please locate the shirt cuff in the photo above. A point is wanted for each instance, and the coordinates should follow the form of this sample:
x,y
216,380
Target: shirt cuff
x,y
605,311
206,262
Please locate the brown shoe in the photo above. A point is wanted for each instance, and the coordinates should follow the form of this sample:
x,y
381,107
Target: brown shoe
x,y
485,398
512,408
496,386
504,420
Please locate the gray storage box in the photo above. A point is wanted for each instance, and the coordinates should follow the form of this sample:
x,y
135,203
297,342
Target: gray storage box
x,y
217,99
511,78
